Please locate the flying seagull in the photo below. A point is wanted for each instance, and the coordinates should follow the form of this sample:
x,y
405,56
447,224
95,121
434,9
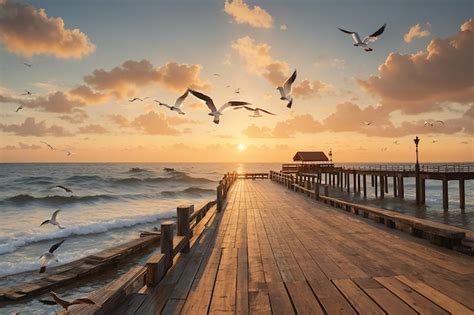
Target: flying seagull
x,y
64,188
256,111
237,91
368,123
384,149
434,141
177,104
364,44
27,64
49,146
432,123
210,103
19,107
138,99
285,90
216,75
27,93
68,153
65,303
53,220
48,256
396,142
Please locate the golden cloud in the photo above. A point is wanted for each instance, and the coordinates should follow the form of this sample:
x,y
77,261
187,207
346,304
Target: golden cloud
x,y
28,31
415,32
57,102
92,129
426,80
243,14
31,128
123,80
86,94
309,89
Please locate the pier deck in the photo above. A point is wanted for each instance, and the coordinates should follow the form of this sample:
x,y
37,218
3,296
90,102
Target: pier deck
x,y
272,250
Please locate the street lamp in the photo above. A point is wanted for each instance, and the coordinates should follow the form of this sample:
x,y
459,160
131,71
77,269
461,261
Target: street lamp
x,y
330,155
417,172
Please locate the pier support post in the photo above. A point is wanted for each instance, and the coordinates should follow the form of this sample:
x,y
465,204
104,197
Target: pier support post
x,y
394,186
382,187
386,184
326,190
445,194
354,179
166,242
372,180
326,178
401,188
220,201
307,186
348,179
364,183
422,191
462,195
375,185
182,223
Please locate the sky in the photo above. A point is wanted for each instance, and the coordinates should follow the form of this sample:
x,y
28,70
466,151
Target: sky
x,y
89,58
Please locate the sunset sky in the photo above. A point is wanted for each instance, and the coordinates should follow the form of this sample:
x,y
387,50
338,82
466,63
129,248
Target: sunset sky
x,y
90,57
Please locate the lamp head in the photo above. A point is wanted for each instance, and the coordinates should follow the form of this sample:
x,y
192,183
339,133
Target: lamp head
x,y
416,140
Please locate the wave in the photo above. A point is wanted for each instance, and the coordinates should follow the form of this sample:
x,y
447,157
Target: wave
x,y
177,177
83,178
191,191
84,229
137,170
56,200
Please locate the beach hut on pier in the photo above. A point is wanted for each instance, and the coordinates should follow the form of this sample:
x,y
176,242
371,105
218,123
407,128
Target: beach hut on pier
x,y
307,161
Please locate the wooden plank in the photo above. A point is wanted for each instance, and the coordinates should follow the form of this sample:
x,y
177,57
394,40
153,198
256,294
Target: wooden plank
x,y
359,300
303,298
411,297
242,295
389,302
223,296
437,297
279,298
330,297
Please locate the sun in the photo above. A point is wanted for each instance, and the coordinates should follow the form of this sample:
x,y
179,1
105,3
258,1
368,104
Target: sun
x,y
241,147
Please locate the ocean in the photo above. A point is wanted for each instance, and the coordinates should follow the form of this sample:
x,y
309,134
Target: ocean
x,y
111,203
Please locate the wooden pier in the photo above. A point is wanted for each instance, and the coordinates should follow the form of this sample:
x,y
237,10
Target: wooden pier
x,y
356,179
269,249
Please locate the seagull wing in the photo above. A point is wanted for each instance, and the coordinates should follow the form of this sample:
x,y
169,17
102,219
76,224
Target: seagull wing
x,y
55,246
232,104
379,31
440,121
180,100
55,214
265,111
289,82
209,102
355,35
247,108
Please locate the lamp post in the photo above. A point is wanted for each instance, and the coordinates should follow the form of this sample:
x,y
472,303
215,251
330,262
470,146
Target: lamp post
x,y
330,155
417,172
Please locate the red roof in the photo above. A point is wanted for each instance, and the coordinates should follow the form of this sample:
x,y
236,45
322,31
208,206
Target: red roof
x,y
315,156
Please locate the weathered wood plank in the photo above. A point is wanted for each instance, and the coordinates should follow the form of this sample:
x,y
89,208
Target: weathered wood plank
x,y
359,300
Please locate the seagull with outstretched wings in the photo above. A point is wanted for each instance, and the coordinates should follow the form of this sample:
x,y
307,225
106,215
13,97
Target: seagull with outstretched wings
x,y
369,39
256,111
177,105
285,90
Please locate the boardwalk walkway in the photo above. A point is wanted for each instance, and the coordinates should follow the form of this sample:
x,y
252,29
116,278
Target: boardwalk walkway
x,y
272,250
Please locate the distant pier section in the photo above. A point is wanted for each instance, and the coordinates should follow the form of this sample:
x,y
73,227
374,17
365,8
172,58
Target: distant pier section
x,y
316,167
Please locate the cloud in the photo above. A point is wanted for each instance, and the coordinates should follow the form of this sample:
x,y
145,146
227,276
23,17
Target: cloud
x,y
31,128
426,80
57,102
153,123
76,118
21,146
126,78
243,14
310,89
283,27
415,32
120,120
92,129
86,94
285,129
259,61
253,131
28,31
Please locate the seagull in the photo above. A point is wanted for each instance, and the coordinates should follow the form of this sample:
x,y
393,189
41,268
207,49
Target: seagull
x,y
216,75
53,220
431,123
396,142
210,103
256,111
64,303
48,256
63,188
237,91
19,107
27,64
364,44
227,86
434,141
384,149
27,93
177,104
50,146
137,99
285,90
68,153
368,123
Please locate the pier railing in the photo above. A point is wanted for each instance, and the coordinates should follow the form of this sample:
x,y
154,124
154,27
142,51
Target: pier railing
x,y
187,223
439,168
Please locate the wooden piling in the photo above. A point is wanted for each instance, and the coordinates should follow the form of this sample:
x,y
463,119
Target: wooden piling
x,y
401,188
182,223
395,186
462,195
386,184
348,178
372,180
358,183
316,191
422,191
364,182
220,201
166,242
445,194
382,187
375,185
326,190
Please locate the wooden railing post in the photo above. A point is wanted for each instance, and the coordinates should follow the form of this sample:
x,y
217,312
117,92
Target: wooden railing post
x,y
166,242
220,201
183,229
316,191
326,190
